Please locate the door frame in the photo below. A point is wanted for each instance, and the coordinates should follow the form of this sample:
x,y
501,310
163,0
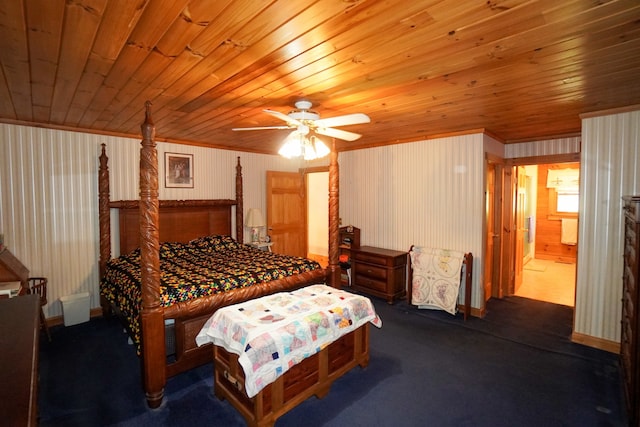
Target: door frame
x,y
506,263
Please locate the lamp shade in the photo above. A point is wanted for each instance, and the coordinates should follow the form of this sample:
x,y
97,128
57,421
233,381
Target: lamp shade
x,y
254,218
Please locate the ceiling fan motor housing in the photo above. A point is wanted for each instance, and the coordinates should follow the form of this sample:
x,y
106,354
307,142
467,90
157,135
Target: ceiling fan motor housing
x,y
303,105
303,112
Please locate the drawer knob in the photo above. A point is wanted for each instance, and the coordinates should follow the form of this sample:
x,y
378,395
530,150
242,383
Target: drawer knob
x,y
233,380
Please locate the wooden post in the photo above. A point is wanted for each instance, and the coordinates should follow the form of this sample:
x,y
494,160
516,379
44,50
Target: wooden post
x,y
334,220
105,222
239,204
151,316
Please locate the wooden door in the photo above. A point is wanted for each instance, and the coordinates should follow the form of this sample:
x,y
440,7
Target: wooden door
x,y
497,233
287,213
491,233
519,225
507,236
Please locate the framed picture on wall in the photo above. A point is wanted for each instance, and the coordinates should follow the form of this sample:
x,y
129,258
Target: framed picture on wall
x,y
178,170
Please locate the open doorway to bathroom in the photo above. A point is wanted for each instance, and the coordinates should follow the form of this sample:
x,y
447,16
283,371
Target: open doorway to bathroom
x,y
547,215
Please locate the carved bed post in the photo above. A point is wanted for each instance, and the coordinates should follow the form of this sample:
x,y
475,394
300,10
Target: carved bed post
x,y
151,315
239,204
105,222
334,222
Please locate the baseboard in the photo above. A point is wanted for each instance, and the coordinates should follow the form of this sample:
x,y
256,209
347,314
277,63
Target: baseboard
x,y
475,312
557,258
478,312
599,343
59,320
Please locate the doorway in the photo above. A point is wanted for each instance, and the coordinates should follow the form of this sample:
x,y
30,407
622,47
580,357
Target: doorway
x,y
527,251
317,184
547,206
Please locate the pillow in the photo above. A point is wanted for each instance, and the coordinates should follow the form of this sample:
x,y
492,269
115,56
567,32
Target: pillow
x,y
214,243
166,250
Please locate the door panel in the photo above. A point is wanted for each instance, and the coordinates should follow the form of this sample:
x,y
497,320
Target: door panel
x,y
520,226
491,233
287,213
507,237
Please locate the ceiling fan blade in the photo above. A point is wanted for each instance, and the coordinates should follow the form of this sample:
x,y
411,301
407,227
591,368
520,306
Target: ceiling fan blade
x,y
348,119
337,133
263,127
281,116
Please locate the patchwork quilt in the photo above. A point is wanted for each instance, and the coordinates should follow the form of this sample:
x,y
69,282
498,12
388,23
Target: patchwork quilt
x,y
273,333
205,266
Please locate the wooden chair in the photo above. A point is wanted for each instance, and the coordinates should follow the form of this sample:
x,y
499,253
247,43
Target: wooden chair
x,y
38,286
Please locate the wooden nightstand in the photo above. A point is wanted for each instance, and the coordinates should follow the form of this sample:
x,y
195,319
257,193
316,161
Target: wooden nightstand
x,y
265,246
380,272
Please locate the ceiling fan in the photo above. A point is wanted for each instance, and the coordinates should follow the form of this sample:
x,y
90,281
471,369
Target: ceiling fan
x,y
303,120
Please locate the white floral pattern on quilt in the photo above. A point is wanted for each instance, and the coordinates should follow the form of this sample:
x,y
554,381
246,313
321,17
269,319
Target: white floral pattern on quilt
x,y
436,278
273,333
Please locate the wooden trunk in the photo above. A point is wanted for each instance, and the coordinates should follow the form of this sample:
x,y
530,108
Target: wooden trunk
x,y
313,376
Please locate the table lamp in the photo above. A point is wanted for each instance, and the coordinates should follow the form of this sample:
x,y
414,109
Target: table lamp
x,y
254,221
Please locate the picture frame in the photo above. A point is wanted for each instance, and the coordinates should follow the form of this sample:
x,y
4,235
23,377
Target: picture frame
x,y
178,170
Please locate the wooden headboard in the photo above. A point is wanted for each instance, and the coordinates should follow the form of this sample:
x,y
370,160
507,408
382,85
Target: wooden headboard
x,y
180,220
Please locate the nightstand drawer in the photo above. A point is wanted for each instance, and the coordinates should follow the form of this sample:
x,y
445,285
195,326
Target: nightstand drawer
x,y
369,283
371,271
372,259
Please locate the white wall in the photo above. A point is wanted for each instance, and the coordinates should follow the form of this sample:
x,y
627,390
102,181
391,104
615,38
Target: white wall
x,y
427,193
544,147
610,169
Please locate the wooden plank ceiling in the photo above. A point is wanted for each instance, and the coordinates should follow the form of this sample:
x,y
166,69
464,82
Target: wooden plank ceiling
x,y
521,70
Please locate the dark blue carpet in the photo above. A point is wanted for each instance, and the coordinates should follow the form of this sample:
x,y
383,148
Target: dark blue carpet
x,y
515,367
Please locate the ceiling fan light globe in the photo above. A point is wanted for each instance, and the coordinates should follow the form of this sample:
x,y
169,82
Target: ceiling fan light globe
x,y
320,147
309,153
291,148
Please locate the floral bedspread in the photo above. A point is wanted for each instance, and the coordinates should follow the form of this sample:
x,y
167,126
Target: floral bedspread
x,y
273,333
205,266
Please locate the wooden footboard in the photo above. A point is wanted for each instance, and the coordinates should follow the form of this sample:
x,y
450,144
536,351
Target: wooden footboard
x,y
313,376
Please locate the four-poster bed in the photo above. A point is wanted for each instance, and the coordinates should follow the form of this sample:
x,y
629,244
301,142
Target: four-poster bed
x,y
147,224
